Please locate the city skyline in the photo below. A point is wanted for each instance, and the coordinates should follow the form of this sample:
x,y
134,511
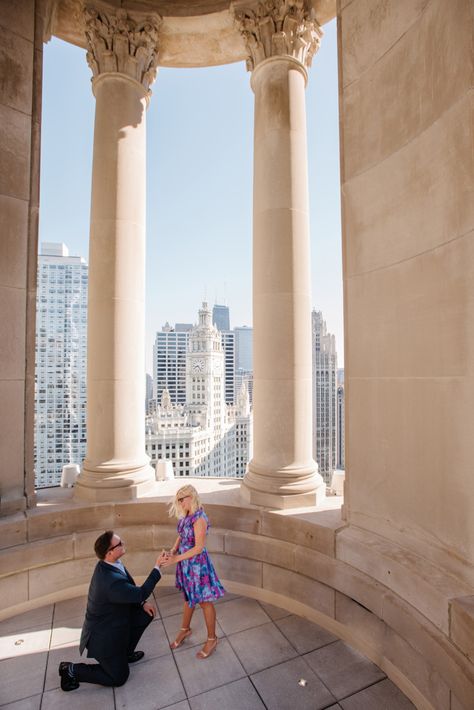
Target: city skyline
x,y
199,182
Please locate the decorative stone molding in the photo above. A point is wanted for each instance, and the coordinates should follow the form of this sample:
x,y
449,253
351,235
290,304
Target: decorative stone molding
x,y
117,43
277,28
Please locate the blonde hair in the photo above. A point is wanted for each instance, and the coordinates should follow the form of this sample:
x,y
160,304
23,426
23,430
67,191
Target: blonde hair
x,y
175,507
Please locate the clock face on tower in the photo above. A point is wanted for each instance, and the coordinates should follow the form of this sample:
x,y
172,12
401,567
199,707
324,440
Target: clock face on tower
x,y
197,365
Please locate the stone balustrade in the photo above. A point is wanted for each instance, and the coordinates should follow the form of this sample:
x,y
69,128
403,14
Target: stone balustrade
x,y
406,614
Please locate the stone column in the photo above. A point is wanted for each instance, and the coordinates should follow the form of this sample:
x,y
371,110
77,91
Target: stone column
x,y
281,37
123,58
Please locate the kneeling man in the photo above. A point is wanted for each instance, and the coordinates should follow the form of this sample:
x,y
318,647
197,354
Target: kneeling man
x,y
116,617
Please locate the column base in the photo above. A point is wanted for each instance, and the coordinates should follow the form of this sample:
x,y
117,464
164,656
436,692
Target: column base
x,y
100,487
15,505
283,490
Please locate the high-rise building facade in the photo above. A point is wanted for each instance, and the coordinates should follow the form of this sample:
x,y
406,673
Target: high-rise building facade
x,y
205,436
61,347
148,394
244,377
243,359
169,362
221,317
228,346
244,348
340,427
324,370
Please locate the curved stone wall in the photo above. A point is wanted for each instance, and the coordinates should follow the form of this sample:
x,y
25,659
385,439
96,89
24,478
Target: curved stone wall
x,y
292,559
407,179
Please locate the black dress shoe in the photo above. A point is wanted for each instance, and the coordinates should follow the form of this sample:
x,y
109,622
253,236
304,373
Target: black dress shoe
x,y
67,682
135,656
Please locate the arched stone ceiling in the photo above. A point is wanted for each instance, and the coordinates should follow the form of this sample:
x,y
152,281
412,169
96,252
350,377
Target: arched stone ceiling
x,y
194,33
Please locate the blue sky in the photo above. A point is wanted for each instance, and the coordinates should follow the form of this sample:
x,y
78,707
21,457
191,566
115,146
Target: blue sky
x,y
199,183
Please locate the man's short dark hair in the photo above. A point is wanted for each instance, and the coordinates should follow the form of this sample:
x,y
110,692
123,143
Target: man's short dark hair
x,y
102,544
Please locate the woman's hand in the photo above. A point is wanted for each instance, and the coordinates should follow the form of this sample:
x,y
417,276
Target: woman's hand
x,y
171,559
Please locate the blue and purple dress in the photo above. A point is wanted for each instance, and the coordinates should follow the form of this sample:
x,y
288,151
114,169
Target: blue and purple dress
x,y
196,577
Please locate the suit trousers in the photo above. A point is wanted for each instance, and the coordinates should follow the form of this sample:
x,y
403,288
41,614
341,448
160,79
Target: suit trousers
x,y
113,670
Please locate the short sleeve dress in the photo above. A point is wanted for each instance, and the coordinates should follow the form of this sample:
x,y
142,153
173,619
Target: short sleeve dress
x,y
196,577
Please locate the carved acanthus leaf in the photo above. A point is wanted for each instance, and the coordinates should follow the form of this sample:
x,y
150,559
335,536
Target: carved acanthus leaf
x,y
117,43
276,28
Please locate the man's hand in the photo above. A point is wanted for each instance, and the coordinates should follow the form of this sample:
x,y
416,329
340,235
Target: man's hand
x,y
162,558
170,560
150,609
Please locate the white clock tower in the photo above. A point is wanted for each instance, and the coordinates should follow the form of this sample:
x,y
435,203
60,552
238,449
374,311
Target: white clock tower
x,y
205,383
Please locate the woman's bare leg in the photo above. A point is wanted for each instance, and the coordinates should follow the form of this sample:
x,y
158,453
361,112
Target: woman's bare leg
x,y
210,618
188,612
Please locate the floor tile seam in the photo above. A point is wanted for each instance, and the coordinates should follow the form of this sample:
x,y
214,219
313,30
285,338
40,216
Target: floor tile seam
x,y
273,665
179,676
25,629
33,652
223,600
36,627
319,677
266,612
17,700
302,653
149,659
173,704
257,691
47,655
254,626
370,685
332,702
327,687
222,685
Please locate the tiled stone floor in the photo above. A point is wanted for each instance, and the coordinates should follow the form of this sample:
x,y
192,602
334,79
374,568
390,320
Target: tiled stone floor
x,y
262,656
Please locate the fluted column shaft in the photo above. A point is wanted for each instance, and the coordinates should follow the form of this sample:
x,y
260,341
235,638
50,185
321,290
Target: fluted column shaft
x,y
116,466
282,472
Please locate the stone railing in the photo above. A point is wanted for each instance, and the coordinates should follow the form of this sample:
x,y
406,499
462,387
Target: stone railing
x,y
410,617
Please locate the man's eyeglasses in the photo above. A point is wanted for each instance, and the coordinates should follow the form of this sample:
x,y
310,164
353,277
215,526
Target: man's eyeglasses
x,y
120,542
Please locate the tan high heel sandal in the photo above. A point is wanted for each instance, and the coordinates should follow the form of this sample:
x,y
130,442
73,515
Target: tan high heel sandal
x,y
202,654
176,644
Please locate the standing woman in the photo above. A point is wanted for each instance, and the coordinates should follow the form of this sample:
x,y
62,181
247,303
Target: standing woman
x,y
195,573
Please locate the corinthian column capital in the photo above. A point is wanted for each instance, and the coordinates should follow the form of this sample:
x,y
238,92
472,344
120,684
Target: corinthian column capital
x,y
118,43
274,28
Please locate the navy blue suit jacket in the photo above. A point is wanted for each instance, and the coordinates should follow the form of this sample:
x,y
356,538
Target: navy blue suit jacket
x,y
112,597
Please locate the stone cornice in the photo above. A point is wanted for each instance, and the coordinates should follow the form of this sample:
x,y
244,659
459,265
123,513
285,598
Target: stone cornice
x,y
273,28
118,43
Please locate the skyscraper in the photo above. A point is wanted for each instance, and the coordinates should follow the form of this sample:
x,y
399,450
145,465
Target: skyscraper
x,y
243,348
243,359
221,317
228,345
61,345
169,362
324,367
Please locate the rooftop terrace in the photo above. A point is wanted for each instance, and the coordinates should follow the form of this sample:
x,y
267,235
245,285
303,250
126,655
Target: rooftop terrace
x,y
266,658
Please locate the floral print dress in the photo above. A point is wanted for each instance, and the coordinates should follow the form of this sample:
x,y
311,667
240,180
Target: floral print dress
x,y
196,576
